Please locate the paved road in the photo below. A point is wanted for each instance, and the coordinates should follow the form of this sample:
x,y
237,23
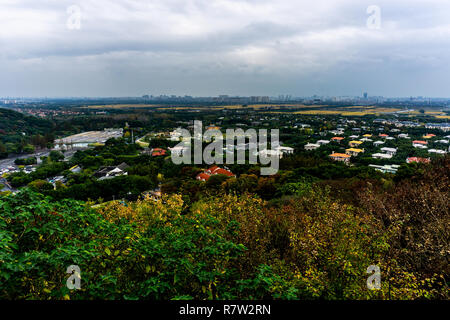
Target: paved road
x,y
9,162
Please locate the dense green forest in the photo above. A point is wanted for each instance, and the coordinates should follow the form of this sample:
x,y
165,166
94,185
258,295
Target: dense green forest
x,y
20,133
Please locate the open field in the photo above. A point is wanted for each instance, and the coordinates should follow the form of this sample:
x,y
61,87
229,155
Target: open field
x,y
362,111
230,107
121,106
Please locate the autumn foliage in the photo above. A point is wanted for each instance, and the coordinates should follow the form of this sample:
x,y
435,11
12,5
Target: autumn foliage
x,y
307,245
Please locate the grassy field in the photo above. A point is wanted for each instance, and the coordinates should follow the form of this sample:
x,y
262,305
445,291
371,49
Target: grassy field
x,y
344,111
230,107
122,106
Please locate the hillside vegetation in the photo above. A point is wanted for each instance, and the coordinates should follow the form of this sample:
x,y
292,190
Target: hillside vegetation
x,y
20,133
305,246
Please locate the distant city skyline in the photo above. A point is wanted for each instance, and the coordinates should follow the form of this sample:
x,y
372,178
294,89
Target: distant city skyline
x,y
209,48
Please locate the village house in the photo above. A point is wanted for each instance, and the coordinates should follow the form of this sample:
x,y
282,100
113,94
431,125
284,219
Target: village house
x,y
337,139
418,160
355,143
441,126
419,144
340,157
311,146
214,170
337,132
179,150
354,152
284,150
389,168
110,172
158,152
436,151
391,151
381,156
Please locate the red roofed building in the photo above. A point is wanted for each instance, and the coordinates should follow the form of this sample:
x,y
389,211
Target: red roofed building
x,y
214,170
418,160
158,152
383,135
419,142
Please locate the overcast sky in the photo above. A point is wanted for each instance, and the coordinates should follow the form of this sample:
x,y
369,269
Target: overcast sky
x,y
212,47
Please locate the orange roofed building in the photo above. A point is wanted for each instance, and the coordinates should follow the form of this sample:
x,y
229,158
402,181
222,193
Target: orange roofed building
x,y
337,139
214,170
158,152
340,157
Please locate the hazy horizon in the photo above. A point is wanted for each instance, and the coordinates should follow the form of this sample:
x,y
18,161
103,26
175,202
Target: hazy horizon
x,y
129,48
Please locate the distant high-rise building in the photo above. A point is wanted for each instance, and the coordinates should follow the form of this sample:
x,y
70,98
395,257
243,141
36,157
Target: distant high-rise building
x,y
365,95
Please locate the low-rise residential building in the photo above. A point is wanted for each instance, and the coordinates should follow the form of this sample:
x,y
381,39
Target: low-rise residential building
x,y
378,143
441,126
391,151
214,170
389,168
322,142
312,146
381,156
340,157
76,169
436,151
270,153
355,143
420,144
179,150
158,152
111,171
354,151
337,139
337,132
418,160
284,150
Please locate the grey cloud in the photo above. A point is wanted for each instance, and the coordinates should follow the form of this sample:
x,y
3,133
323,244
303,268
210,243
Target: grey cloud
x,y
130,47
